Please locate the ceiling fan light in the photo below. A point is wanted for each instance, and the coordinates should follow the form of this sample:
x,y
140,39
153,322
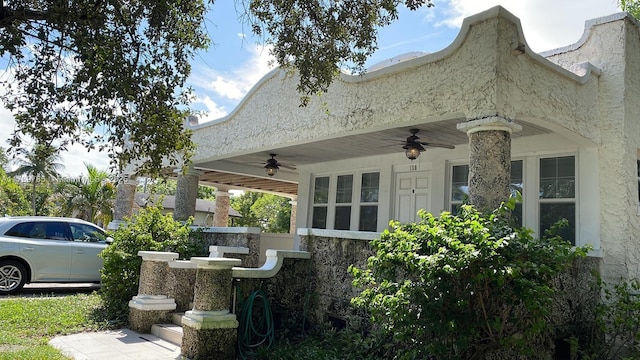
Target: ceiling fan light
x,y
412,152
270,170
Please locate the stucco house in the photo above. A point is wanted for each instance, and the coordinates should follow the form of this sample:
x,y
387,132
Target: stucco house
x,y
567,119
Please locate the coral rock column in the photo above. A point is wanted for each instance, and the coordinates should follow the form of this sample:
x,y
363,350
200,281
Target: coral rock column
x,y
221,213
125,194
489,160
186,194
151,305
292,219
210,330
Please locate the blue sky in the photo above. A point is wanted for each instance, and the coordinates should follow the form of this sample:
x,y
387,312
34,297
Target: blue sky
x,y
236,61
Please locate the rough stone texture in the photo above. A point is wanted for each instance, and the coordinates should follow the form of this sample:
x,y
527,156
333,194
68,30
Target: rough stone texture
x,y
328,278
221,214
489,168
289,292
212,290
125,194
179,285
218,344
248,240
186,195
141,320
153,275
292,219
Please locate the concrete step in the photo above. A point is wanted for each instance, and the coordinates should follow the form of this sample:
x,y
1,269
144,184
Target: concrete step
x,y
176,318
169,332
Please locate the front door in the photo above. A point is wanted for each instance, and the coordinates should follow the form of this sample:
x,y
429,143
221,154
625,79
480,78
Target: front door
x,y
412,194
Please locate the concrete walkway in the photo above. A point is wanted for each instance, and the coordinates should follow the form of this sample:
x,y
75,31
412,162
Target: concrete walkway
x,y
122,344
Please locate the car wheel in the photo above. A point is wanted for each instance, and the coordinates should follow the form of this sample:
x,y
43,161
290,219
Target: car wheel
x,y
12,277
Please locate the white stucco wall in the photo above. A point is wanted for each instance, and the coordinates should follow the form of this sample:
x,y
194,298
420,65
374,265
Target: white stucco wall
x,y
612,45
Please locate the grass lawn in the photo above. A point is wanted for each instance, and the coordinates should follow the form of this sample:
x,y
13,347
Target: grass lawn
x,y
27,324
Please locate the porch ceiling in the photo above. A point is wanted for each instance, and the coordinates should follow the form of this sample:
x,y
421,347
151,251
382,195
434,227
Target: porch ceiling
x,y
247,172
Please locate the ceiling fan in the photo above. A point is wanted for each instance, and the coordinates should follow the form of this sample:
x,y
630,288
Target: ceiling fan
x,y
272,165
413,146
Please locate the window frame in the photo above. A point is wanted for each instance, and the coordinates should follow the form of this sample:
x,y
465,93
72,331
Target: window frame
x,y
355,204
531,189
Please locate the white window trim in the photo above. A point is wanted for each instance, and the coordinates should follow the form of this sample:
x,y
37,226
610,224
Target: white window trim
x,y
355,197
530,196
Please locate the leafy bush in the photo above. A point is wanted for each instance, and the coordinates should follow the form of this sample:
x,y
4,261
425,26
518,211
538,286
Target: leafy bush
x,y
615,330
462,286
149,230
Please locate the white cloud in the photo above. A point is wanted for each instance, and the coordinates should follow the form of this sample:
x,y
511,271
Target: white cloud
x,y
213,110
73,159
547,24
235,84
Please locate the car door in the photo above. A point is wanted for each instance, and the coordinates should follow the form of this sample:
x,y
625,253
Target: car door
x,y
88,242
47,249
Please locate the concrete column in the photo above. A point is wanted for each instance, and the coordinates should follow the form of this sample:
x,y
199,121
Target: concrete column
x,y
151,305
489,160
186,194
125,194
210,329
221,213
292,219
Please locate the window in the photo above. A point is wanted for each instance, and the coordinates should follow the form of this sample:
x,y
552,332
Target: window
x,y
87,233
320,202
40,230
346,202
557,195
460,186
369,192
344,196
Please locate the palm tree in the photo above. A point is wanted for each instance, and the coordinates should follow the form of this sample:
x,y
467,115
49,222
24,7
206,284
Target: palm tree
x,y
41,163
90,198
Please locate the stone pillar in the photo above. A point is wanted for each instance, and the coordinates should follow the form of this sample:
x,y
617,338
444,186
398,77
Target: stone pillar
x,y
151,305
489,160
221,213
125,195
292,219
186,194
210,330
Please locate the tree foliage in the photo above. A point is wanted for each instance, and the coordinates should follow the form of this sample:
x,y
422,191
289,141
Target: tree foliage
x,y
464,286
630,6
269,212
169,187
111,74
318,37
13,200
41,163
102,73
88,197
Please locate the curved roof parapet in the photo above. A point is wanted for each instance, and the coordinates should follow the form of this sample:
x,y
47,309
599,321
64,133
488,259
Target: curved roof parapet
x,y
396,59
411,60
588,25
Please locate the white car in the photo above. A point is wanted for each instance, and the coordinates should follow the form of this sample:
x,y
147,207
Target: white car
x,y
37,249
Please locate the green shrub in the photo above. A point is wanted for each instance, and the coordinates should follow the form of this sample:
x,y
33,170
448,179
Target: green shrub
x,y
148,230
462,286
614,332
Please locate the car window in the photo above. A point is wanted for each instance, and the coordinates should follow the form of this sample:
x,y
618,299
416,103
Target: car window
x,y
86,233
21,230
55,230
40,230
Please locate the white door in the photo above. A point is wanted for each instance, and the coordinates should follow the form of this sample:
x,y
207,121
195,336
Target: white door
x,y
412,194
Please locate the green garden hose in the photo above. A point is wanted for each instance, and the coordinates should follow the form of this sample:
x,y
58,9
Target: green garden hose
x,y
257,329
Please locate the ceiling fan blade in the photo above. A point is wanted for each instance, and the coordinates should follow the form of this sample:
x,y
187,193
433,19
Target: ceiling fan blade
x,y
290,167
446,146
